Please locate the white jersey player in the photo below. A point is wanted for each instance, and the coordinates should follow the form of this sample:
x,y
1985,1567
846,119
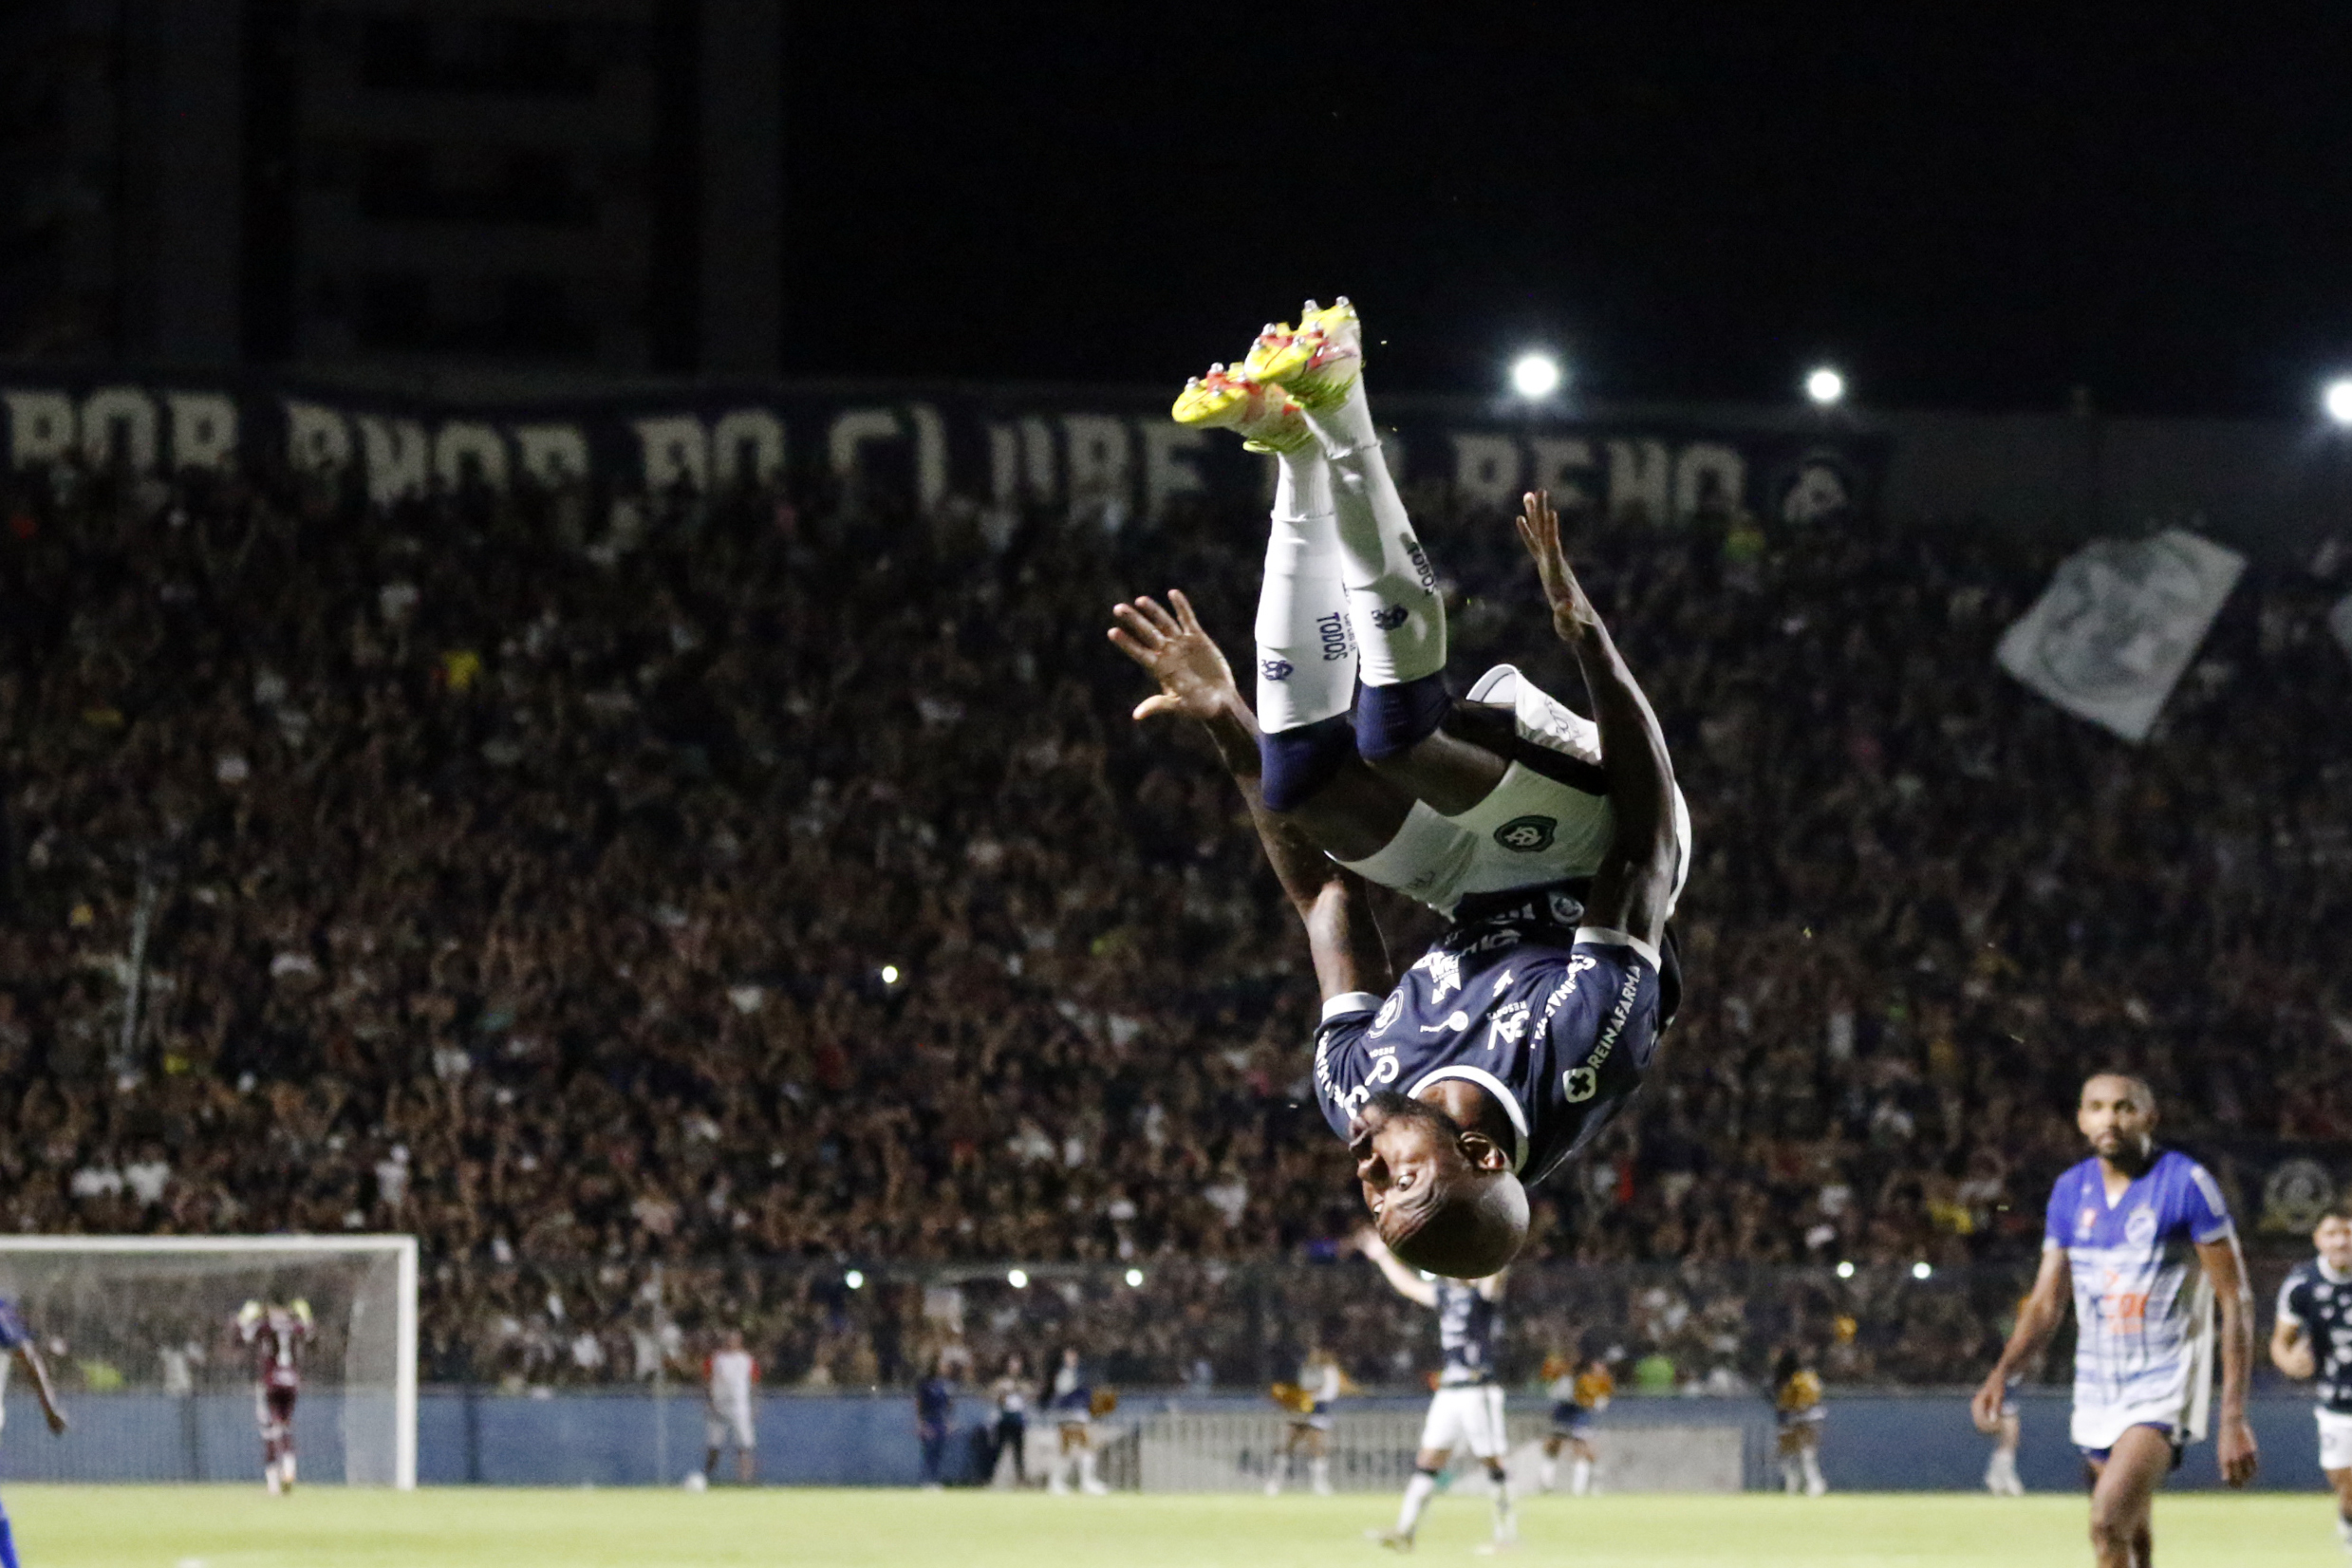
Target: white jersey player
x,y
2145,1239
1467,1409
730,1374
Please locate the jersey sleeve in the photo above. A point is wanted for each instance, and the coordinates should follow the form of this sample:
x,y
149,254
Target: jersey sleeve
x,y
2291,1303
2055,1219
14,1333
2207,1211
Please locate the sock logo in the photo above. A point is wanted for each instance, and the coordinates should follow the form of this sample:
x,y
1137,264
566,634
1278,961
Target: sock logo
x,y
1391,618
1332,629
1421,566
1527,835
1274,669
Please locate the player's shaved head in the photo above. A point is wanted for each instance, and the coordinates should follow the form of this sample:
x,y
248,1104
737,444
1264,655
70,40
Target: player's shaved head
x,y
2109,1084
1442,1198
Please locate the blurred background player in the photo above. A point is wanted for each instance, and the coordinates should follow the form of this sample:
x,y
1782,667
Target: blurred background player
x,y
1796,1405
730,1378
1465,1411
1010,1393
277,1335
16,1339
1072,1403
2313,1338
2145,1238
1310,1402
934,1416
1580,1391
2001,1470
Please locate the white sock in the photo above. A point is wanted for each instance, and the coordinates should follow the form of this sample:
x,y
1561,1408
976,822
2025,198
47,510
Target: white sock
x,y
1392,599
1417,1492
1792,1479
1306,653
1506,1529
2344,1531
1549,1472
1087,1478
1318,1474
1815,1481
1580,1478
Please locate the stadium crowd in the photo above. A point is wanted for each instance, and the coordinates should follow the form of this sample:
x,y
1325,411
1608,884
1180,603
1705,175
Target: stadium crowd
x,y
766,884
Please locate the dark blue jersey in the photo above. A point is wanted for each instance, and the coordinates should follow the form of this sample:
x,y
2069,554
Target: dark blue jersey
x,y
2321,1305
1556,1021
1469,1335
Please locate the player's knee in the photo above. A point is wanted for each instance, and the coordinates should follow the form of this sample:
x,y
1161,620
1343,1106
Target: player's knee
x,y
2115,1522
1391,721
1295,765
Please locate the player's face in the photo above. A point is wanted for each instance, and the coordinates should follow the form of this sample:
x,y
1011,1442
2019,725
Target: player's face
x,y
1398,1158
2118,1118
2334,1239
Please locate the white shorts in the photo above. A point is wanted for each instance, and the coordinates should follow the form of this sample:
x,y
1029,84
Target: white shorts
x,y
2335,1441
1530,830
1466,1418
718,1426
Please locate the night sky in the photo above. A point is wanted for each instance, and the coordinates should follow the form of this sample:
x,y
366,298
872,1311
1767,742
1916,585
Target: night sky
x,y
1962,206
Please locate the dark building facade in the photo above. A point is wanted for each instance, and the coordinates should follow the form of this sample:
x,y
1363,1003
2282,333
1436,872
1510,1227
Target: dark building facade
x,y
531,186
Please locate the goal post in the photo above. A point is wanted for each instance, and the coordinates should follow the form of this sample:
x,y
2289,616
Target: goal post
x,y
141,1333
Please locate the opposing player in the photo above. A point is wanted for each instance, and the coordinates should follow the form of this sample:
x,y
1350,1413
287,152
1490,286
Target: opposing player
x,y
1309,1401
277,1335
1467,1409
1799,1412
1532,1020
2313,1338
16,1341
730,1381
2145,1238
1580,1391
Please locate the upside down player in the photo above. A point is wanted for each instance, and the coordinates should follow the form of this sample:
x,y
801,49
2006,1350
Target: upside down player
x,y
277,1334
2145,1237
1530,1023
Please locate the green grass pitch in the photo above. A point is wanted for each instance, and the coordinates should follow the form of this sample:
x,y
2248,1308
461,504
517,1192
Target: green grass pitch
x,y
325,1527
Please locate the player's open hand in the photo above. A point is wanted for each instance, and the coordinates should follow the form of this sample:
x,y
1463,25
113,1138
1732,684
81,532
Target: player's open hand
x,y
2235,1450
1195,681
1573,615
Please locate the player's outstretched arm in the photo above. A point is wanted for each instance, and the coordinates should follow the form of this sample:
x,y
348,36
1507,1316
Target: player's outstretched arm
x,y
1407,1281
2235,1440
1636,882
1196,683
2291,1350
2044,1309
38,1371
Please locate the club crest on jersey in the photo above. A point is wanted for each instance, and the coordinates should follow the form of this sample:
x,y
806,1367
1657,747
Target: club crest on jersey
x,y
1527,835
2140,1229
2086,1222
1274,669
1391,617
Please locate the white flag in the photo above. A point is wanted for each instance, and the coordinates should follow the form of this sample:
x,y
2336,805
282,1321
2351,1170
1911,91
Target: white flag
x,y
2118,622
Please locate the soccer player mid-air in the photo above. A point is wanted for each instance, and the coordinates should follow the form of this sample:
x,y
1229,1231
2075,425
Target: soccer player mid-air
x,y
1530,1023
1465,1411
277,1335
2145,1238
2313,1338
18,1350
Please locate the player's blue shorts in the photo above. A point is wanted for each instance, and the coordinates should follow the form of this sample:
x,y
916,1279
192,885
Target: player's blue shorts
x,y
1571,1419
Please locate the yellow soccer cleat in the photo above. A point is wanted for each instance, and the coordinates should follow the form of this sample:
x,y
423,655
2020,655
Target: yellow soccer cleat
x,y
1267,418
1317,362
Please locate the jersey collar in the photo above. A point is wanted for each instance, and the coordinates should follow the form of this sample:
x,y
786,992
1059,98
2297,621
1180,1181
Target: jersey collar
x,y
1492,1085
2327,1274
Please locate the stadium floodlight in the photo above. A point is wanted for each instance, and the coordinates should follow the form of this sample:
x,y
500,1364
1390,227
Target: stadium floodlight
x,y
1017,1278
2337,399
855,1280
1135,1277
1920,1270
890,974
1846,1269
1536,375
1825,386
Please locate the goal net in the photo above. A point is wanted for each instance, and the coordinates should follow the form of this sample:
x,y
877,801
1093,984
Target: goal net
x,y
141,1337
